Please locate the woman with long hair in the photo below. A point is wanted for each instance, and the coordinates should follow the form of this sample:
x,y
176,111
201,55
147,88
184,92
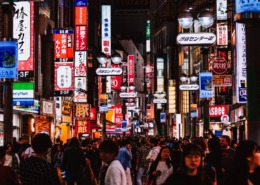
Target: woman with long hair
x,y
246,164
11,158
191,170
161,168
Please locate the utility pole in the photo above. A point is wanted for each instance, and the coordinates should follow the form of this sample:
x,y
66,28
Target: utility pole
x,y
7,8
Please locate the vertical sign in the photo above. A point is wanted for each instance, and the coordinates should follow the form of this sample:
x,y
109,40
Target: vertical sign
x,y
81,46
106,37
222,34
8,59
241,63
118,115
131,70
23,31
205,85
221,8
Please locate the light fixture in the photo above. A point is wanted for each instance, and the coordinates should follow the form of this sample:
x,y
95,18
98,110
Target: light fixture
x,y
193,77
132,87
183,77
185,19
102,58
123,87
116,58
206,19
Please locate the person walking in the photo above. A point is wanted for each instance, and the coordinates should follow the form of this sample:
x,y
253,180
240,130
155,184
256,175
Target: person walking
x,y
141,162
161,168
191,171
93,156
115,173
227,158
11,158
246,165
35,170
7,174
125,157
74,162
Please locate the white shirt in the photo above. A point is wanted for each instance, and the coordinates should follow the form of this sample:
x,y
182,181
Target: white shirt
x,y
165,172
115,174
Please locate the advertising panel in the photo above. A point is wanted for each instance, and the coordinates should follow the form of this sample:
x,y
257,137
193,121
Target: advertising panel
x,y
82,127
222,34
80,63
81,34
80,83
205,85
82,111
63,45
221,8
23,31
63,76
131,70
80,15
217,111
8,59
241,63
118,115
47,107
23,93
247,6
222,80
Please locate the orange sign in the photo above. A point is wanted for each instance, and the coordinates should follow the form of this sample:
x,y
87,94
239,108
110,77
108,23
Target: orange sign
x,y
81,15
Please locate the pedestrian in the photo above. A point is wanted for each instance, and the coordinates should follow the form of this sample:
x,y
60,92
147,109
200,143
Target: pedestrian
x,y
94,158
191,171
246,164
161,168
227,158
35,170
11,158
115,173
125,157
74,162
7,174
141,162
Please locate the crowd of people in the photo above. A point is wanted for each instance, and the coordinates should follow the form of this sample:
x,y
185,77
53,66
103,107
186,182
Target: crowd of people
x,y
130,161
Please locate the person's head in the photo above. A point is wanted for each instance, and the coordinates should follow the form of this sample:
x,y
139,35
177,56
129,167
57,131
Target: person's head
x,y
41,143
94,144
192,157
248,155
8,147
164,155
224,141
21,140
201,143
185,141
74,142
108,150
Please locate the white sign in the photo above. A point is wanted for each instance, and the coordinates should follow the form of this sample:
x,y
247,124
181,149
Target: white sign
x,y
222,34
61,72
202,38
21,29
224,118
109,71
189,87
80,83
47,107
127,95
80,63
159,101
221,9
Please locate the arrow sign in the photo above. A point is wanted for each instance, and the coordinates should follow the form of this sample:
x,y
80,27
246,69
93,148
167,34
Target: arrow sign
x,y
127,95
159,101
189,87
196,38
109,71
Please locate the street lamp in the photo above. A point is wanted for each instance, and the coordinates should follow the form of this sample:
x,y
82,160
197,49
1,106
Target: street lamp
x,y
105,71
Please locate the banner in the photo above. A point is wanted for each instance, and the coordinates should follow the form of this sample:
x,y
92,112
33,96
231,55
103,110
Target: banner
x,y
205,85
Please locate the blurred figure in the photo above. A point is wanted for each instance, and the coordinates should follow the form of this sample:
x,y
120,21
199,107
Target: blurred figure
x,y
141,162
214,156
115,173
228,155
125,157
74,162
54,150
35,170
246,165
191,171
7,174
94,158
11,158
161,168
154,151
